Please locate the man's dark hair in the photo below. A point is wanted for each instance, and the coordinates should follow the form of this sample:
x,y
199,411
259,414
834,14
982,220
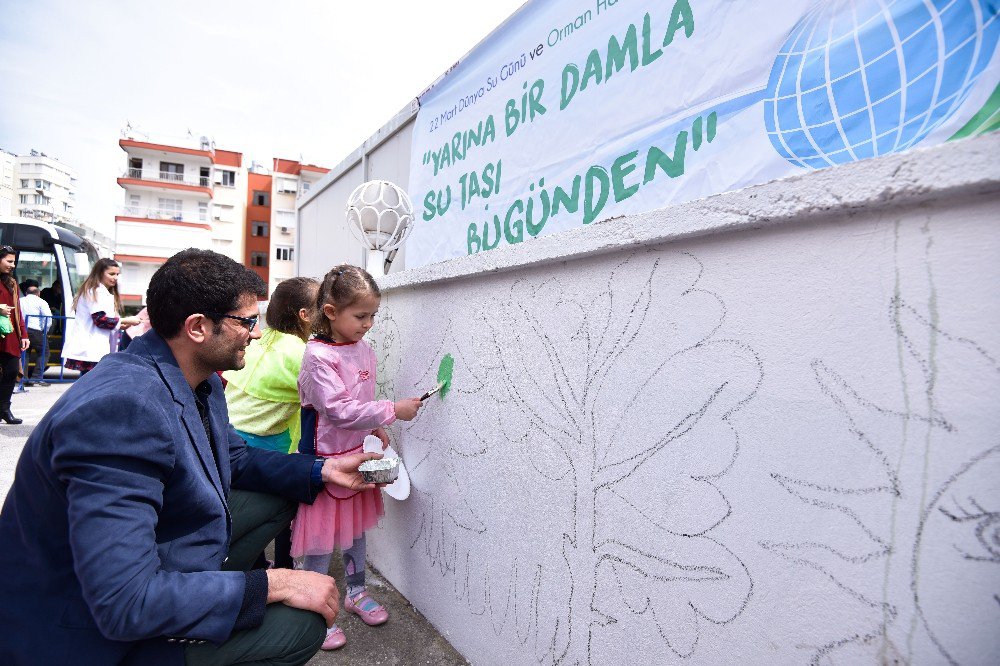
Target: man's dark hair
x,y
197,282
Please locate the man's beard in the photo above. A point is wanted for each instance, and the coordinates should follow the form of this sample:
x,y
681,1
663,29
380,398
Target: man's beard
x,y
227,358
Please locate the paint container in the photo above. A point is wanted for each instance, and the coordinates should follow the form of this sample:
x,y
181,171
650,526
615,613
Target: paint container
x,y
384,470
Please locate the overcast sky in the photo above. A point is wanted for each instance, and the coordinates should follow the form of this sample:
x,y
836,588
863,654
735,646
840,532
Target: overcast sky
x,y
269,79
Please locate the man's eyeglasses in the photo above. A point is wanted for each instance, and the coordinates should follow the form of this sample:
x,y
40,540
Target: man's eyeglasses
x,y
248,322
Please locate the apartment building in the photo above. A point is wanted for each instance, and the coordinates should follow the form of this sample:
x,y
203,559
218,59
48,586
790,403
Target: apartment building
x,y
184,192
8,162
180,192
290,179
258,222
43,188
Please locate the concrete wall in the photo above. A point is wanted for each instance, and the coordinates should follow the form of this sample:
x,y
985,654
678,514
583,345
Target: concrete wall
x,y
757,428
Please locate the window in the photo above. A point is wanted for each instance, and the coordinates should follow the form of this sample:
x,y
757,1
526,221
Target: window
x,y
202,211
24,183
258,259
203,176
305,186
223,213
284,253
171,171
287,185
261,198
284,219
134,205
23,198
226,178
258,229
135,167
170,208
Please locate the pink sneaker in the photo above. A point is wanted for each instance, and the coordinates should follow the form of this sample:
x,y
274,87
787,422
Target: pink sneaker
x,y
335,639
370,611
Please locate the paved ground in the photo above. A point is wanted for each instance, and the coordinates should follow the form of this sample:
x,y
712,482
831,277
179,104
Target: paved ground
x,y
407,638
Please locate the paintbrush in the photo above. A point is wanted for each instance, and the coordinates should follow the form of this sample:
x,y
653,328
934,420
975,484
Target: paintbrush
x,y
432,391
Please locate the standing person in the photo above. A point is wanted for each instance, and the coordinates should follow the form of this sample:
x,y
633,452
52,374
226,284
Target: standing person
x,y
38,317
96,316
15,342
337,385
263,397
136,510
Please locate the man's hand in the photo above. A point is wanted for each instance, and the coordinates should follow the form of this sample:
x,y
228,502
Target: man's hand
x,y
25,343
343,471
307,590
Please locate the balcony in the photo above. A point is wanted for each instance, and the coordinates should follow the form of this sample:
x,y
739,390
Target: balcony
x,y
145,179
157,216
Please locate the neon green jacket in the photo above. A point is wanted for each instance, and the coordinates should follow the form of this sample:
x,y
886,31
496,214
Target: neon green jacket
x,y
263,397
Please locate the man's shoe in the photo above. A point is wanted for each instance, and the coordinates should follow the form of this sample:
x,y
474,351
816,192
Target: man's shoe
x,y
40,383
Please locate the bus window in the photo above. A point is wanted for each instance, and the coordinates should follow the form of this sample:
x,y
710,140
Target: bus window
x,y
40,266
78,265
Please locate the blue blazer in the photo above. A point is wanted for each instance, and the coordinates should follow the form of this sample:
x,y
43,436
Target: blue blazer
x,y
117,523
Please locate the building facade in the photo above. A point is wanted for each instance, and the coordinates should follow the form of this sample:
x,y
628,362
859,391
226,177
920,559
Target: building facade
x,y
257,225
290,180
184,192
43,189
8,163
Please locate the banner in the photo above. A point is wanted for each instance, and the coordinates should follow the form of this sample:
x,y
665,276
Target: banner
x,y
576,111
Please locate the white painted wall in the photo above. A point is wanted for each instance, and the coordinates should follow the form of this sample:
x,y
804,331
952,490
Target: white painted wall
x,y
324,238
158,240
757,428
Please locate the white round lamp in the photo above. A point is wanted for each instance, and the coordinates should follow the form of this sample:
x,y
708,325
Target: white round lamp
x,y
380,216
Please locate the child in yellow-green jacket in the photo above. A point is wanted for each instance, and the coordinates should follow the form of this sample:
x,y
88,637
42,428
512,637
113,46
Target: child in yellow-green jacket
x,y
263,397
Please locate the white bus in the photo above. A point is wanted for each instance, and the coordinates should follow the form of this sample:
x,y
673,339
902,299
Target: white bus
x,y
49,254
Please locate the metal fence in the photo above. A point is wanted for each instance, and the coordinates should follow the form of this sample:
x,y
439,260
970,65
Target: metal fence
x,y
50,355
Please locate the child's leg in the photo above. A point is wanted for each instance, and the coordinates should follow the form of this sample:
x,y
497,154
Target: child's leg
x,y
321,564
358,601
317,563
354,567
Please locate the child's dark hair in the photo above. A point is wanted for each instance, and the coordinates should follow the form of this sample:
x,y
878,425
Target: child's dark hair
x,y
343,286
289,297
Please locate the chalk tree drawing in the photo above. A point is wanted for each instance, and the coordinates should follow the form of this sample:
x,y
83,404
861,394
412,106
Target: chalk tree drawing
x,y
887,492
617,395
959,538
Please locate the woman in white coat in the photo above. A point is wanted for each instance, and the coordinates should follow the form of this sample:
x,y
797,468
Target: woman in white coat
x,y
96,316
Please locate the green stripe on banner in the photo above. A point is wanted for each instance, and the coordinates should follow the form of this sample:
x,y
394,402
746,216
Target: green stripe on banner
x,y
987,119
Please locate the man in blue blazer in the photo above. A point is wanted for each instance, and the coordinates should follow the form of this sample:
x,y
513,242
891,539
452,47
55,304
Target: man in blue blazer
x,y
129,528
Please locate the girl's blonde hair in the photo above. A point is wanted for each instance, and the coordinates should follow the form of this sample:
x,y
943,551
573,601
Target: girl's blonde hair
x,y
93,281
342,287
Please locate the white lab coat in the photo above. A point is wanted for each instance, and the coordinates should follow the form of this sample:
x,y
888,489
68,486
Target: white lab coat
x,y
84,340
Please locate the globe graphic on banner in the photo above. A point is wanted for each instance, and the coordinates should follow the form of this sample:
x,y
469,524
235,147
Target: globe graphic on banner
x,y
861,78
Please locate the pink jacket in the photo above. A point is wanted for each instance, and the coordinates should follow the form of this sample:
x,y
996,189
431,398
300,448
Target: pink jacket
x,y
337,380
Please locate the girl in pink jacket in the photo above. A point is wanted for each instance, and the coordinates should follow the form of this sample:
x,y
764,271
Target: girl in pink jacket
x,y
337,388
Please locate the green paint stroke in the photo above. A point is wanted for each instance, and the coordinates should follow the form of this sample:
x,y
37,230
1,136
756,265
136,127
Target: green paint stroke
x,y
444,373
987,119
